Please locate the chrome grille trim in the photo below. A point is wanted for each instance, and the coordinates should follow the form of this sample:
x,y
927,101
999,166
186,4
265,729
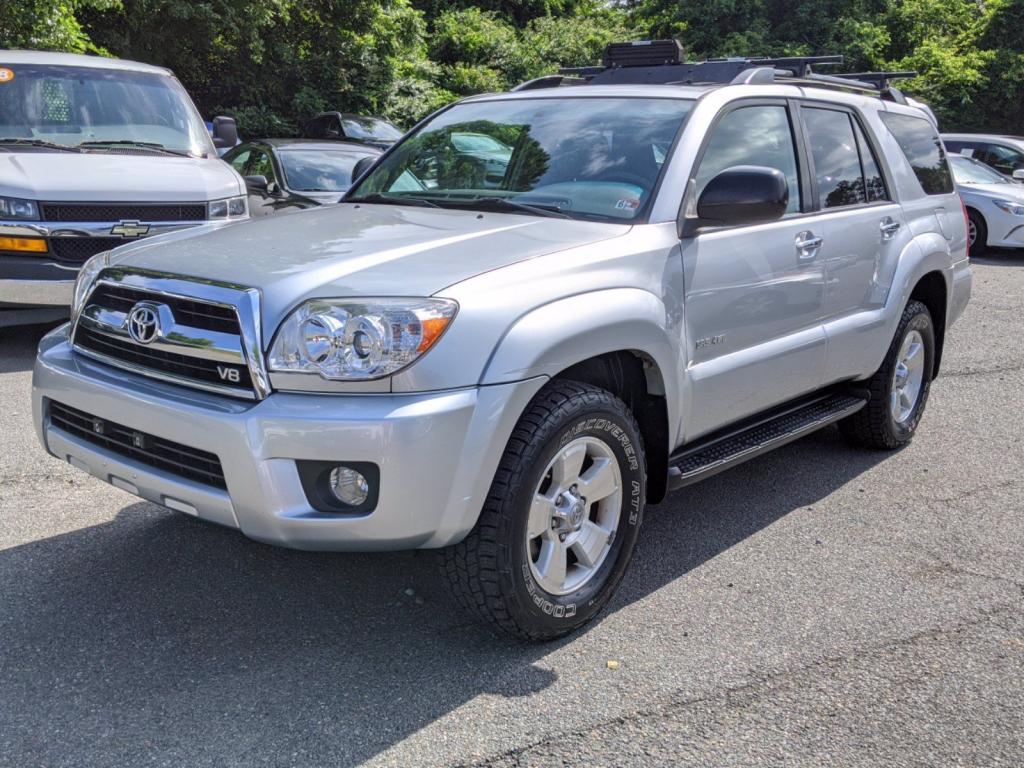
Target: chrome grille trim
x,y
247,348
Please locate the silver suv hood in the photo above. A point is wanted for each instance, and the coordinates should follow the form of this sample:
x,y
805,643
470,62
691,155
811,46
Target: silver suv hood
x,y
365,250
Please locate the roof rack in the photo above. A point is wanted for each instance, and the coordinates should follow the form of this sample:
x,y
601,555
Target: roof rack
x,y
661,62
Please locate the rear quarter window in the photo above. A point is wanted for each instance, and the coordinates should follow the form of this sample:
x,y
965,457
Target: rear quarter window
x,y
922,147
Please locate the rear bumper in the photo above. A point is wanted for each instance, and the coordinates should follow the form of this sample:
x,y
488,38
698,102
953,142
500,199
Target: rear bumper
x,y
960,293
436,452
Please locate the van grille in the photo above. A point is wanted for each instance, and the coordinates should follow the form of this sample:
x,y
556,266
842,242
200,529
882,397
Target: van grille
x,y
174,458
115,212
76,250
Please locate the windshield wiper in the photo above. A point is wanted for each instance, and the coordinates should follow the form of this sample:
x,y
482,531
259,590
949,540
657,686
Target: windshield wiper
x,y
505,205
141,144
40,143
386,200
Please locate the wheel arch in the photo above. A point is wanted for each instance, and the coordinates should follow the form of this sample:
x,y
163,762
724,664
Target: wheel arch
x,y
932,291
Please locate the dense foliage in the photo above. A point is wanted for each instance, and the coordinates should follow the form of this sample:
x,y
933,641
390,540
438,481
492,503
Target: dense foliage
x,y
272,63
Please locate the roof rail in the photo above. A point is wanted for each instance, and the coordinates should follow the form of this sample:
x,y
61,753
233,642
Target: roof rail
x,y
661,62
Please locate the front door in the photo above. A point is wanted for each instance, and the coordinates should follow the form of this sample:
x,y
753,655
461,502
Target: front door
x,y
753,294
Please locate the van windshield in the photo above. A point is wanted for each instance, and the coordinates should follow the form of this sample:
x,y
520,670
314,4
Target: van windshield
x,y
91,108
588,158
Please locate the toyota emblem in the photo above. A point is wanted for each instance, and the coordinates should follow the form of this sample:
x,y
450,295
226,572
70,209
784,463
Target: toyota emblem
x,y
144,322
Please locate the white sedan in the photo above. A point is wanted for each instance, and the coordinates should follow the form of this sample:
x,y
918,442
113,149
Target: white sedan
x,y
995,205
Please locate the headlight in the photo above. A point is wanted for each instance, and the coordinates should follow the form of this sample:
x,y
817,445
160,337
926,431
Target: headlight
x,y
86,278
229,208
1017,209
16,208
347,340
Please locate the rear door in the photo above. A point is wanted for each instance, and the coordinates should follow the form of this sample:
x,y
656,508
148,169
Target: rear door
x,y
863,229
753,294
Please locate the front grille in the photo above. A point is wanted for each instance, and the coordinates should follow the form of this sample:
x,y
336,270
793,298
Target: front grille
x,y
157,360
75,250
197,314
115,212
174,458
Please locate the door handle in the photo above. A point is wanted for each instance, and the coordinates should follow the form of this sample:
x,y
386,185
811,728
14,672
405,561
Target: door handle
x,y
807,246
889,227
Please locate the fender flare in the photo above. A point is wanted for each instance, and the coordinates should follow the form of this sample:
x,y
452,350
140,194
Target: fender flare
x,y
553,337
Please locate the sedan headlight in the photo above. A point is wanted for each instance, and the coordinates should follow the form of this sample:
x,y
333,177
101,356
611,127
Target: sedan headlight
x,y
16,208
1017,209
86,278
228,208
351,340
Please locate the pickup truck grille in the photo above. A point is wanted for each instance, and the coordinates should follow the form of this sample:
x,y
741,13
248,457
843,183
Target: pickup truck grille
x,y
198,343
174,458
76,250
115,212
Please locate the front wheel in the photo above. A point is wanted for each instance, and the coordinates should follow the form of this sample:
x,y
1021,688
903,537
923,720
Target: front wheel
x,y
977,234
557,530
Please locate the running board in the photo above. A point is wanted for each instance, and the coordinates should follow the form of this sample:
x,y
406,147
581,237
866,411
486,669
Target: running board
x,y
710,456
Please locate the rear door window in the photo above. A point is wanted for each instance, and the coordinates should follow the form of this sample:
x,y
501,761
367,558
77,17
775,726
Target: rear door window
x,y
923,149
836,158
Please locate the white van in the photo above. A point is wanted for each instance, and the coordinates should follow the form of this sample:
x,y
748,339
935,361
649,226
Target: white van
x,y
94,153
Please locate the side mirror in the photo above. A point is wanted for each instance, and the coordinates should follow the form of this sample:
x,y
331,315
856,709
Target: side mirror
x,y
744,194
361,167
256,183
1018,175
225,132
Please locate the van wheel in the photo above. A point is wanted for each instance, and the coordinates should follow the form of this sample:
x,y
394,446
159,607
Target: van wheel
x,y
977,234
558,527
899,389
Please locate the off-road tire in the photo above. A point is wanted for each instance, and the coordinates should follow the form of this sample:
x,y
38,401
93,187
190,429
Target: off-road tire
x,y
874,425
489,570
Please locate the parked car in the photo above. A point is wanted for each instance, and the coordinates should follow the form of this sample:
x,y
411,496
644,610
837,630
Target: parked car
x,y
1003,153
995,205
375,131
96,152
292,174
512,374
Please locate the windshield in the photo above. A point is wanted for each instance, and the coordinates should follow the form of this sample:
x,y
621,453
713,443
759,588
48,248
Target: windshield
x,y
308,170
593,158
72,105
369,128
967,171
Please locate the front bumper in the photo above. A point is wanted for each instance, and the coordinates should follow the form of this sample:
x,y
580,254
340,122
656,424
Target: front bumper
x,y
437,452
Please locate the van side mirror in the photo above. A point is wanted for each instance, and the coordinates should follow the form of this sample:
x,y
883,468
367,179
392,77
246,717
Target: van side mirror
x,y
1018,175
256,183
743,194
361,167
225,132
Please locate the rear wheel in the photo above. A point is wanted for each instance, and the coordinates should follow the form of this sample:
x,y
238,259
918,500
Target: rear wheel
x,y
977,233
557,530
899,389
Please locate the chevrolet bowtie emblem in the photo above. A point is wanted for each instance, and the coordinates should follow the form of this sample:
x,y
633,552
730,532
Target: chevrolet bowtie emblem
x,y
129,229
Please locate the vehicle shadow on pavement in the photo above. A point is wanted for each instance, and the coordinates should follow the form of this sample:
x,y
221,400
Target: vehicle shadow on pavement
x,y
18,346
1000,257
157,636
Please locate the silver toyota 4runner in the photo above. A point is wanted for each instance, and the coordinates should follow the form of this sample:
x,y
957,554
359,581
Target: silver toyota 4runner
x,y
506,347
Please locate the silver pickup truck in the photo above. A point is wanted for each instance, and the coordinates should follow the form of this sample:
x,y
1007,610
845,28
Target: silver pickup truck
x,y
660,281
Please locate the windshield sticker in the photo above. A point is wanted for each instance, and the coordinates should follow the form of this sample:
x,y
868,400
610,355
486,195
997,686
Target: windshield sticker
x,y
6,75
627,204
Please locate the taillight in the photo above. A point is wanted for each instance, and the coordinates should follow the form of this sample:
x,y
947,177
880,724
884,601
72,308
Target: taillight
x,y
967,219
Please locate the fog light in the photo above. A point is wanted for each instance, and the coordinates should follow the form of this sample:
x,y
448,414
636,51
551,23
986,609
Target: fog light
x,y
349,486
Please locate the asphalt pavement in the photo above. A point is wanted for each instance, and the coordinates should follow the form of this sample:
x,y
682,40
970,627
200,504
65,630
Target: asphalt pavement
x,y
819,606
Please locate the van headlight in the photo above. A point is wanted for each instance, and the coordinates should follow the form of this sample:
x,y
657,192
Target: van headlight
x,y
86,279
349,340
228,208
17,208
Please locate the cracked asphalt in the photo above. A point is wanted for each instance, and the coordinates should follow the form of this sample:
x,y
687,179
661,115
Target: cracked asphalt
x,y
817,606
